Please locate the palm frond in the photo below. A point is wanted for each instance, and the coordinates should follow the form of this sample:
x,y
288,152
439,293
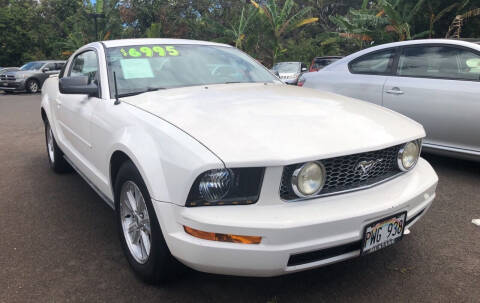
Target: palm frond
x,y
306,21
414,10
444,11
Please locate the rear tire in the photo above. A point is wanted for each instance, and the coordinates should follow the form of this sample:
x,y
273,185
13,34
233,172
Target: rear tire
x,y
32,86
55,155
140,234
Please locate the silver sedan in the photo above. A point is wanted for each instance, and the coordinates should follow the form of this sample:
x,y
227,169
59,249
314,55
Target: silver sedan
x,y
435,82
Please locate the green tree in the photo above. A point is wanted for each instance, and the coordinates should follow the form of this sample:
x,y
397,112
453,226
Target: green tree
x,y
283,20
400,15
235,32
18,41
435,17
361,26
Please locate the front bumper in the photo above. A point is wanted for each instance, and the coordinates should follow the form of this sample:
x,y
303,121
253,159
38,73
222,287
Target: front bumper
x,y
290,81
295,235
17,85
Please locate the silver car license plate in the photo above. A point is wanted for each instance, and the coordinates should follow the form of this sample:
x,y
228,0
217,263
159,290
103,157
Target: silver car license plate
x,y
383,233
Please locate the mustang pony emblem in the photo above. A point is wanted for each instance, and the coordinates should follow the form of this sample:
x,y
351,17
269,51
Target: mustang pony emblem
x,y
364,167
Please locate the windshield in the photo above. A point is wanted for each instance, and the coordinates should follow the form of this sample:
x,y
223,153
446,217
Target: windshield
x,y
32,66
287,67
140,68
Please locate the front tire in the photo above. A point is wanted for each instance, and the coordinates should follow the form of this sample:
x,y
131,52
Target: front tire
x,y
55,155
140,234
32,86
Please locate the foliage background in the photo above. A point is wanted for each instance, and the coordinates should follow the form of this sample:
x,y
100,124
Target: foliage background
x,y
269,30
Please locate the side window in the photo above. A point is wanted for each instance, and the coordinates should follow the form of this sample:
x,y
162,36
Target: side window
x,y
377,63
444,62
319,64
50,66
469,65
85,64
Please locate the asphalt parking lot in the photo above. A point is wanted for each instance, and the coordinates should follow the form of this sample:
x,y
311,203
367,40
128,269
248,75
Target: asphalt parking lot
x,y
58,241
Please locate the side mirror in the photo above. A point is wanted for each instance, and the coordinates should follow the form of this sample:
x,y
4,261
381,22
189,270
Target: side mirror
x,y
304,69
46,69
78,86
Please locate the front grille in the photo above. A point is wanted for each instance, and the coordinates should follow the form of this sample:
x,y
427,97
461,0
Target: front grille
x,y
323,254
7,77
345,174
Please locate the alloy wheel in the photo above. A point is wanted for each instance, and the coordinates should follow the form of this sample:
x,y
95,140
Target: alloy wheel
x,y
33,86
50,147
135,222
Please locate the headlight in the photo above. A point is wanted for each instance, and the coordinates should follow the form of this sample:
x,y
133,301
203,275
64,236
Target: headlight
x,y
408,155
308,179
226,187
215,184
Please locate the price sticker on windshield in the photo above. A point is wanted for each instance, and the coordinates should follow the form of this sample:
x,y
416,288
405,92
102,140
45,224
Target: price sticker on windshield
x,y
149,51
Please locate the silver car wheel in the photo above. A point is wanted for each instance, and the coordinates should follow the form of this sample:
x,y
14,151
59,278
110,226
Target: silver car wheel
x,y
50,147
33,86
135,222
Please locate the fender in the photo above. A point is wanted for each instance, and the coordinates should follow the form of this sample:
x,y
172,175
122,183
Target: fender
x,y
168,160
48,95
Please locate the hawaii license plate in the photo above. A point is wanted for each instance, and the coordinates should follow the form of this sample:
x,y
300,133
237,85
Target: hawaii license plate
x,y
4,84
383,233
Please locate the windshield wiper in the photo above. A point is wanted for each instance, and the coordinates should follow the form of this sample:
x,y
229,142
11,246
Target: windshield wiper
x,y
150,89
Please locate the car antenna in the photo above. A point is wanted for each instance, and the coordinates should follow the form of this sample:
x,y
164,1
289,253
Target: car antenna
x,y
117,101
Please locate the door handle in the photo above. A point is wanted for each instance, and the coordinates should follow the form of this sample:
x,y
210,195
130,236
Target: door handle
x,y
394,91
58,102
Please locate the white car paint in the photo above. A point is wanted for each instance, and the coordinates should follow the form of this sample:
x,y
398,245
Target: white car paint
x,y
302,120
174,135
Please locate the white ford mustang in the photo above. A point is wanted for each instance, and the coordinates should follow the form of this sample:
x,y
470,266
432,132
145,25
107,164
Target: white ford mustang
x,y
207,158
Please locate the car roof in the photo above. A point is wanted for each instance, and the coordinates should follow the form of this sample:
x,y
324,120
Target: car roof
x,y
328,57
417,42
143,41
431,41
360,53
471,40
47,61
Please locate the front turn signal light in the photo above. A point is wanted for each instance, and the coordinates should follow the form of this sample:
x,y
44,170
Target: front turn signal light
x,y
222,237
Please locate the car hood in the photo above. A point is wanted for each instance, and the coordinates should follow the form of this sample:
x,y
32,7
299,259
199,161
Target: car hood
x,y
268,125
20,73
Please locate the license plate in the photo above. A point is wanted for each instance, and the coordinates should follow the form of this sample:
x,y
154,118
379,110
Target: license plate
x,y
383,233
5,84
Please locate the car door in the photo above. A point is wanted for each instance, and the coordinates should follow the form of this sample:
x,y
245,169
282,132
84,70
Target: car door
x,y
75,111
438,86
366,76
46,70
49,68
